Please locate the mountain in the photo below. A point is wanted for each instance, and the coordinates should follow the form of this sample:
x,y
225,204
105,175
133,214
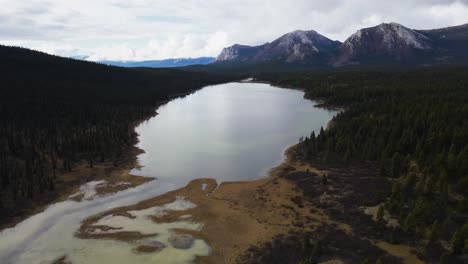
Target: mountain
x,y
451,44
238,53
385,43
167,63
295,47
298,46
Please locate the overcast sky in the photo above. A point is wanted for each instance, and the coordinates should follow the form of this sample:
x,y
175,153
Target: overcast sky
x,y
157,29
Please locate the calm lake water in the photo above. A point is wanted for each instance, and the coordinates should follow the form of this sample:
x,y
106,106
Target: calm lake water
x,y
230,132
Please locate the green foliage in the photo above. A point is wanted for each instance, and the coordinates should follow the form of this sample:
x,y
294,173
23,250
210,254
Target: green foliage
x,y
393,238
316,250
458,241
383,170
434,231
465,248
444,259
365,261
310,251
380,216
397,165
410,222
324,179
307,261
414,123
305,246
56,111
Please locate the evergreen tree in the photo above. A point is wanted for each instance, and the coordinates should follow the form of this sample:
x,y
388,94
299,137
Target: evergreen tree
x,y
380,216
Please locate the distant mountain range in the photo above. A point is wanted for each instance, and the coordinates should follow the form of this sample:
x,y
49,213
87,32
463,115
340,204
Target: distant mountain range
x,y
167,63
384,44
297,46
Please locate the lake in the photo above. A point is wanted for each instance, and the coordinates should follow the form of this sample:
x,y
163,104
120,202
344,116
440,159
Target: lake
x,y
229,132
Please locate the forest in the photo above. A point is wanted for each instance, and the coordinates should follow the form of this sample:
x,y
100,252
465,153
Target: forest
x,y
56,112
414,126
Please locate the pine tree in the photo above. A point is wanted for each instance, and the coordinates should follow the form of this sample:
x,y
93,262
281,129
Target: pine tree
x,y
347,155
393,238
382,171
410,222
457,242
434,231
315,251
396,165
324,179
465,249
459,238
380,216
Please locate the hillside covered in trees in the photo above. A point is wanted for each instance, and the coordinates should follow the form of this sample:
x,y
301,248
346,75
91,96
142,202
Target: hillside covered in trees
x,y
414,126
56,112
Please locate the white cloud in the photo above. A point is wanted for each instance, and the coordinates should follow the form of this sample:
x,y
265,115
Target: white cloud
x,y
454,13
156,29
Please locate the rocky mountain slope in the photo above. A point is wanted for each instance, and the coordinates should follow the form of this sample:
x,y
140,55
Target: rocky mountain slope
x,y
384,44
294,47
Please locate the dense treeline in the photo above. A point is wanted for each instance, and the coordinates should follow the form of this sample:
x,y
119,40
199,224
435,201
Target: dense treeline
x,y
55,112
415,125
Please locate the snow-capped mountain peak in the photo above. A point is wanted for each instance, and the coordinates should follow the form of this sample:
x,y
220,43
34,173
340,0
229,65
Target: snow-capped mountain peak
x,y
389,41
392,32
301,37
298,35
392,35
383,44
293,47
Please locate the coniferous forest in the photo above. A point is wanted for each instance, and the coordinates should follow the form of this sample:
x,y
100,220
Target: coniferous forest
x,y
413,125
247,132
56,112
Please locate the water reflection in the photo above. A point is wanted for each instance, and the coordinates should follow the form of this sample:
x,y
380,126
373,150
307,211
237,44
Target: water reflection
x,y
228,132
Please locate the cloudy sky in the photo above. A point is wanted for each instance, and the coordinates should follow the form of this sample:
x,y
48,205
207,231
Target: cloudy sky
x,y
157,29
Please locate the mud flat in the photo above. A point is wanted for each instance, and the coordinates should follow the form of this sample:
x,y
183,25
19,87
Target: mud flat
x,y
237,219
235,143
231,216
103,178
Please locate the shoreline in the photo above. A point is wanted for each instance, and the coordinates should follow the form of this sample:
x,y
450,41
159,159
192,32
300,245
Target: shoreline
x,y
247,212
113,178
320,101
238,218
234,215
69,183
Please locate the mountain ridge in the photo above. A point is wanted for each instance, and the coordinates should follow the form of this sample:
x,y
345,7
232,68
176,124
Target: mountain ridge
x,y
292,47
165,63
386,41
383,44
